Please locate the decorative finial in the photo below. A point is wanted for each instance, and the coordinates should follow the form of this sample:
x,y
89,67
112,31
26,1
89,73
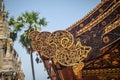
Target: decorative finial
x,y
2,7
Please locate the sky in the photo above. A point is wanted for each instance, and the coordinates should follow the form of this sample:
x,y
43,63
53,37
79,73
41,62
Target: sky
x,y
60,14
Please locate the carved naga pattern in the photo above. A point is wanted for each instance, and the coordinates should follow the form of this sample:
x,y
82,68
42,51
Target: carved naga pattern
x,y
40,42
60,46
62,39
32,36
67,53
47,49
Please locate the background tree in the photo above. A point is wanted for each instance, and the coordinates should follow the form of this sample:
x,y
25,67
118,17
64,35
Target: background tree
x,y
28,22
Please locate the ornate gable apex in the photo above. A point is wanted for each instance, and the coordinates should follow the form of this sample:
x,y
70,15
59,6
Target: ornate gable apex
x,y
86,16
100,9
101,31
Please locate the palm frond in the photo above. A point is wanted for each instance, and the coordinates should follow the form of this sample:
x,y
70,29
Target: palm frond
x,y
35,16
11,21
42,22
13,35
29,19
25,41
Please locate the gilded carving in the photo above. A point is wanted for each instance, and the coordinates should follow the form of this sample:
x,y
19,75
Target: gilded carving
x,y
107,56
112,26
106,39
109,77
100,10
33,44
115,63
81,25
88,15
33,34
98,20
112,59
103,23
67,53
77,69
116,50
101,72
62,39
60,46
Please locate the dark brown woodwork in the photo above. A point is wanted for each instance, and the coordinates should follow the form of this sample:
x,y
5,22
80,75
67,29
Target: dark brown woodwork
x,y
67,73
103,62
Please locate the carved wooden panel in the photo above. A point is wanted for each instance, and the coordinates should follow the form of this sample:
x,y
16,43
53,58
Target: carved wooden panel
x,y
110,58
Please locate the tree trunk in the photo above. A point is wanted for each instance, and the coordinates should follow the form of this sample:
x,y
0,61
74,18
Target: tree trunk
x,y
32,65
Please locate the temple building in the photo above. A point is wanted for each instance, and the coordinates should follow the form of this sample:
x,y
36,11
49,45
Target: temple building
x,y
10,65
100,29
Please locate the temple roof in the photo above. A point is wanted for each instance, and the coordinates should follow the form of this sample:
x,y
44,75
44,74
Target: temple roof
x,y
99,27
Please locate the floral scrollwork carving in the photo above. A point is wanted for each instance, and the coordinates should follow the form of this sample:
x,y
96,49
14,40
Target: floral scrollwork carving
x,y
60,46
32,35
62,39
68,53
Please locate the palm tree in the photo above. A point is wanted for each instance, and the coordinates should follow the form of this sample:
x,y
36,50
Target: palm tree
x,y
28,22
16,26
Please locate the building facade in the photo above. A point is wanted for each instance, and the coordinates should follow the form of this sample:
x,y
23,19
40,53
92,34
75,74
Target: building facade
x,y
10,65
100,29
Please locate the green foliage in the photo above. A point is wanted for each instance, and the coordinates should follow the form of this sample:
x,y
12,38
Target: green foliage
x,y
42,22
15,24
13,36
25,41
28,21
